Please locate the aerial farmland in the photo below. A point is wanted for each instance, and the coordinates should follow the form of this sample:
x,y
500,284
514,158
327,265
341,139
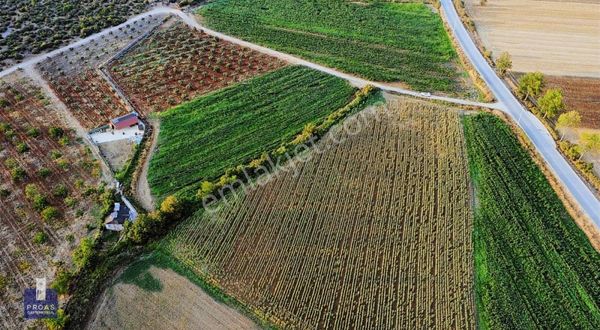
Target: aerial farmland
x,y
335,236
322,164
177,63
566,58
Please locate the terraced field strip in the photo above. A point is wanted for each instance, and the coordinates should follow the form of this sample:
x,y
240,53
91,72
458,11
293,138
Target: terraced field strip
x,y
534,267
200,139
374,232
385,42
177,63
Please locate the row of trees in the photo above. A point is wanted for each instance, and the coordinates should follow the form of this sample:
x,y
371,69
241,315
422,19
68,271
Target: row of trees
x,y
550,104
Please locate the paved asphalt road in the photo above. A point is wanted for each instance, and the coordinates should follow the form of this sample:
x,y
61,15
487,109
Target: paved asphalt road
x,y
534,129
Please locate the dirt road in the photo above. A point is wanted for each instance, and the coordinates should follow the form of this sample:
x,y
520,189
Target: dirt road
x,y
142,187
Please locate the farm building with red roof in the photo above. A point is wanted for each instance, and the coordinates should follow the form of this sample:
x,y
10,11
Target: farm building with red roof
x,y
125,121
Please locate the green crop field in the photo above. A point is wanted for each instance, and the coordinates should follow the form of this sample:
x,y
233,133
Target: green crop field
x,y
534,267
379,41
200,139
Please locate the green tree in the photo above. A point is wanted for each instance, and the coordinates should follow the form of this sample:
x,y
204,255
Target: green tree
x,y
3,283
22,147
40,238
169,205
83,252
590,143
18,174
571,119
531,84
56,132
61,281
206,188
50,213
551,103
504,63
59,322
60,191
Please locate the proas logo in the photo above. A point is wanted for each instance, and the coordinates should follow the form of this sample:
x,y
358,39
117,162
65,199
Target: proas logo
x,y
40,302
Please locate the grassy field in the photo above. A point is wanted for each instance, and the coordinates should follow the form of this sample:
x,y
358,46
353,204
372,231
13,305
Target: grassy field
x,y
156,293
200,139
534,267
381,41
350,243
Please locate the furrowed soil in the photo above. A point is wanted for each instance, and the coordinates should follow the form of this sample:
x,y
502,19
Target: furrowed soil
x,y
44,169
581,95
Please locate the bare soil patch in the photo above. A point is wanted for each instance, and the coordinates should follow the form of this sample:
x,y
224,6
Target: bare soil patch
x,y
554,37
117,153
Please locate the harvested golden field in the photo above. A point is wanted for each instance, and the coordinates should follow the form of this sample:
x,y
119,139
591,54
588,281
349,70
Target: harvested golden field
x,y
580,94
554,37
151,295
374,231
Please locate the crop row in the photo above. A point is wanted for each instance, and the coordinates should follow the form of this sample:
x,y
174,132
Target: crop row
x,y
374,232
176,64
534,267
201,139
381,42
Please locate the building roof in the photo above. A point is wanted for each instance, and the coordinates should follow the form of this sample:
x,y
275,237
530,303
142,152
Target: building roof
x,y
120,214
125,121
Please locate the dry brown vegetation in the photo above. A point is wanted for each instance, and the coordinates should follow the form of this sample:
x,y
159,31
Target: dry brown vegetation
x,y
177,63
374,232
554,37
47,182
